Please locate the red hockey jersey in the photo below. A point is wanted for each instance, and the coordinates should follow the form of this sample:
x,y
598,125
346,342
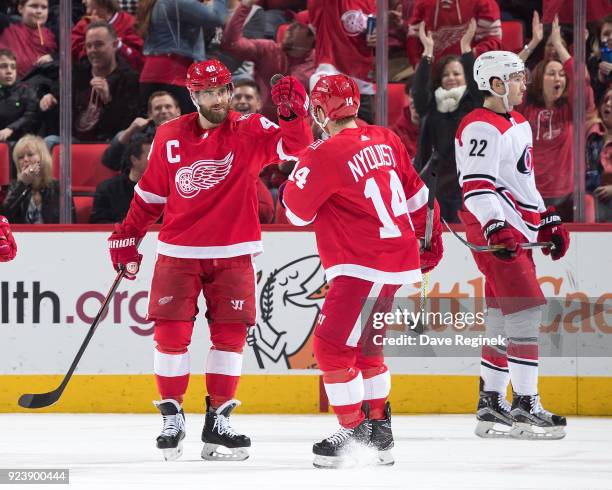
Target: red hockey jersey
x,y
448,20
367,203
340,35
494,154
205,182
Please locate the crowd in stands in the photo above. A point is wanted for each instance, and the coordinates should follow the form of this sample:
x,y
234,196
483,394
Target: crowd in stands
x,y
130,59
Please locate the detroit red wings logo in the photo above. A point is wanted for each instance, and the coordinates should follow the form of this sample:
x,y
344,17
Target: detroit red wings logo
x,y
447,36
202,175
354,22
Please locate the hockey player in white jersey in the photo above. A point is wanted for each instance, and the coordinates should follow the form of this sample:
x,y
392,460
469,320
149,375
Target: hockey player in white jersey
x,y
501,206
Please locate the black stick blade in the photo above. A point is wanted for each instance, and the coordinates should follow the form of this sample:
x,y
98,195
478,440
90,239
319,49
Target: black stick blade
x,y
275,79
38,400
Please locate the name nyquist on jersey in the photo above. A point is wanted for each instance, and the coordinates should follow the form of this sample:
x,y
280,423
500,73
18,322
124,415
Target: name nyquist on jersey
x,y
204,181
494,154
366,202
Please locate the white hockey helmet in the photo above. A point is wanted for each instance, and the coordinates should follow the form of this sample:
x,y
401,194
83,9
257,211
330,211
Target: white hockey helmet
x,y
497,64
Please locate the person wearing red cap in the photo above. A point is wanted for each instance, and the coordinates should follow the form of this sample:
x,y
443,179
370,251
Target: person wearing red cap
x,y
368,207
8,247
202,175
294,55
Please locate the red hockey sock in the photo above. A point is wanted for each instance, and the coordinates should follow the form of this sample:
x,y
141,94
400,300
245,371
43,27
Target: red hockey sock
x,y
224,363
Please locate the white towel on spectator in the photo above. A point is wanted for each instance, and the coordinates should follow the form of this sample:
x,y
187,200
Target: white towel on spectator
x,y
448,100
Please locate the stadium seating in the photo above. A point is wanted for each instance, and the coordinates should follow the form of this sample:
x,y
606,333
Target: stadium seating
x,y
83,205
5,163
87,169
396,101
512,36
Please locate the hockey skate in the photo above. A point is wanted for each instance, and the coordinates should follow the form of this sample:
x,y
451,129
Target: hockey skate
x,y
221,441
335,451
382,438
531,421
493,414
170,441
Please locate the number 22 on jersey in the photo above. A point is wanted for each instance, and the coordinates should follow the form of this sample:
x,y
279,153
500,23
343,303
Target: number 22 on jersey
x,y
399,206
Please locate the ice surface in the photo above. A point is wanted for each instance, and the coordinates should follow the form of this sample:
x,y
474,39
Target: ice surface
x,y
433,451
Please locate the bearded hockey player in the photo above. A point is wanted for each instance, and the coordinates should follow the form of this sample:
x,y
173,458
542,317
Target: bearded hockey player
x,y
368,207
501,206
202,174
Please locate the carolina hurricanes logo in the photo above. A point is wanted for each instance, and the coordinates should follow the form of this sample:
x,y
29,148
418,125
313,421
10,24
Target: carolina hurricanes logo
x,y
525,163
354,22
202,175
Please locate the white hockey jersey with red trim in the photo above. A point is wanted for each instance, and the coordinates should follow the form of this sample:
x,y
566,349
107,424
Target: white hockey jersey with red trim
x,y
204,181
366,202
494,154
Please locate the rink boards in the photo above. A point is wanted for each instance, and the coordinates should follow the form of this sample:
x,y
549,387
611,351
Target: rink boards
x,y
51,291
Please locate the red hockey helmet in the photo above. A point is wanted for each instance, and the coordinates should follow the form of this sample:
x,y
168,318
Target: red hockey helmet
x,y
207,74
337,95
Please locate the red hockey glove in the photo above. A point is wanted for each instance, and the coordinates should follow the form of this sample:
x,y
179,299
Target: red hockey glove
x,y
8,247
499,233
552,230
124,254
431,258
290,98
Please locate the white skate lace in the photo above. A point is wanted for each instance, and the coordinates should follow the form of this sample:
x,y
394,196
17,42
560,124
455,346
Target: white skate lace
x,y
223,426
537,408
172,425
503,403
342,435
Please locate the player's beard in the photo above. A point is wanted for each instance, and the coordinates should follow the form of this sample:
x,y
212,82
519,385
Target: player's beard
x,y
215,116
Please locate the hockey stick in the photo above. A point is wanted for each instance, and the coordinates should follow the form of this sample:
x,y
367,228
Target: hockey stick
x,y
494,248
41,400
431,199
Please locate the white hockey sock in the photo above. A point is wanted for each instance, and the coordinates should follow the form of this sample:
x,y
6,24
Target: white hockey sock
x,y
522,329
494,362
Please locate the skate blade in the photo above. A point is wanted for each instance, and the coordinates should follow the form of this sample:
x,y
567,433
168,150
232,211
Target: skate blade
x,y
491,430
522,430
355,455
172,454
331,462
216,452
385,458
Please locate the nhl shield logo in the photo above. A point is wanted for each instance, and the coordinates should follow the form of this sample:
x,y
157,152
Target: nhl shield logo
x,y
525,163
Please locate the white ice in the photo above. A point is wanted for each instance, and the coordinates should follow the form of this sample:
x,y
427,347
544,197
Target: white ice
x,y
433,451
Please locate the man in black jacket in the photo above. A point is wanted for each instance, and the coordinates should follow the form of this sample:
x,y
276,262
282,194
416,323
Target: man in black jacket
x,y
105,90
113,196
161,107
18,112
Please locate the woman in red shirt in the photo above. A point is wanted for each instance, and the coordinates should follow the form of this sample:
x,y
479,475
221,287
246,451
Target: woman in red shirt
x,y
549,109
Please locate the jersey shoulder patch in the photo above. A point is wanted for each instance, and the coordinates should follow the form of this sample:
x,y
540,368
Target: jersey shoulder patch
x,y
518,117
315,144
177,126
255,123
497,121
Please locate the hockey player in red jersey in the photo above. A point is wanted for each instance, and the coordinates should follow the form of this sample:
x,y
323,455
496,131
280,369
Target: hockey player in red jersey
x,y
368,207
8,247
501,206
202,174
